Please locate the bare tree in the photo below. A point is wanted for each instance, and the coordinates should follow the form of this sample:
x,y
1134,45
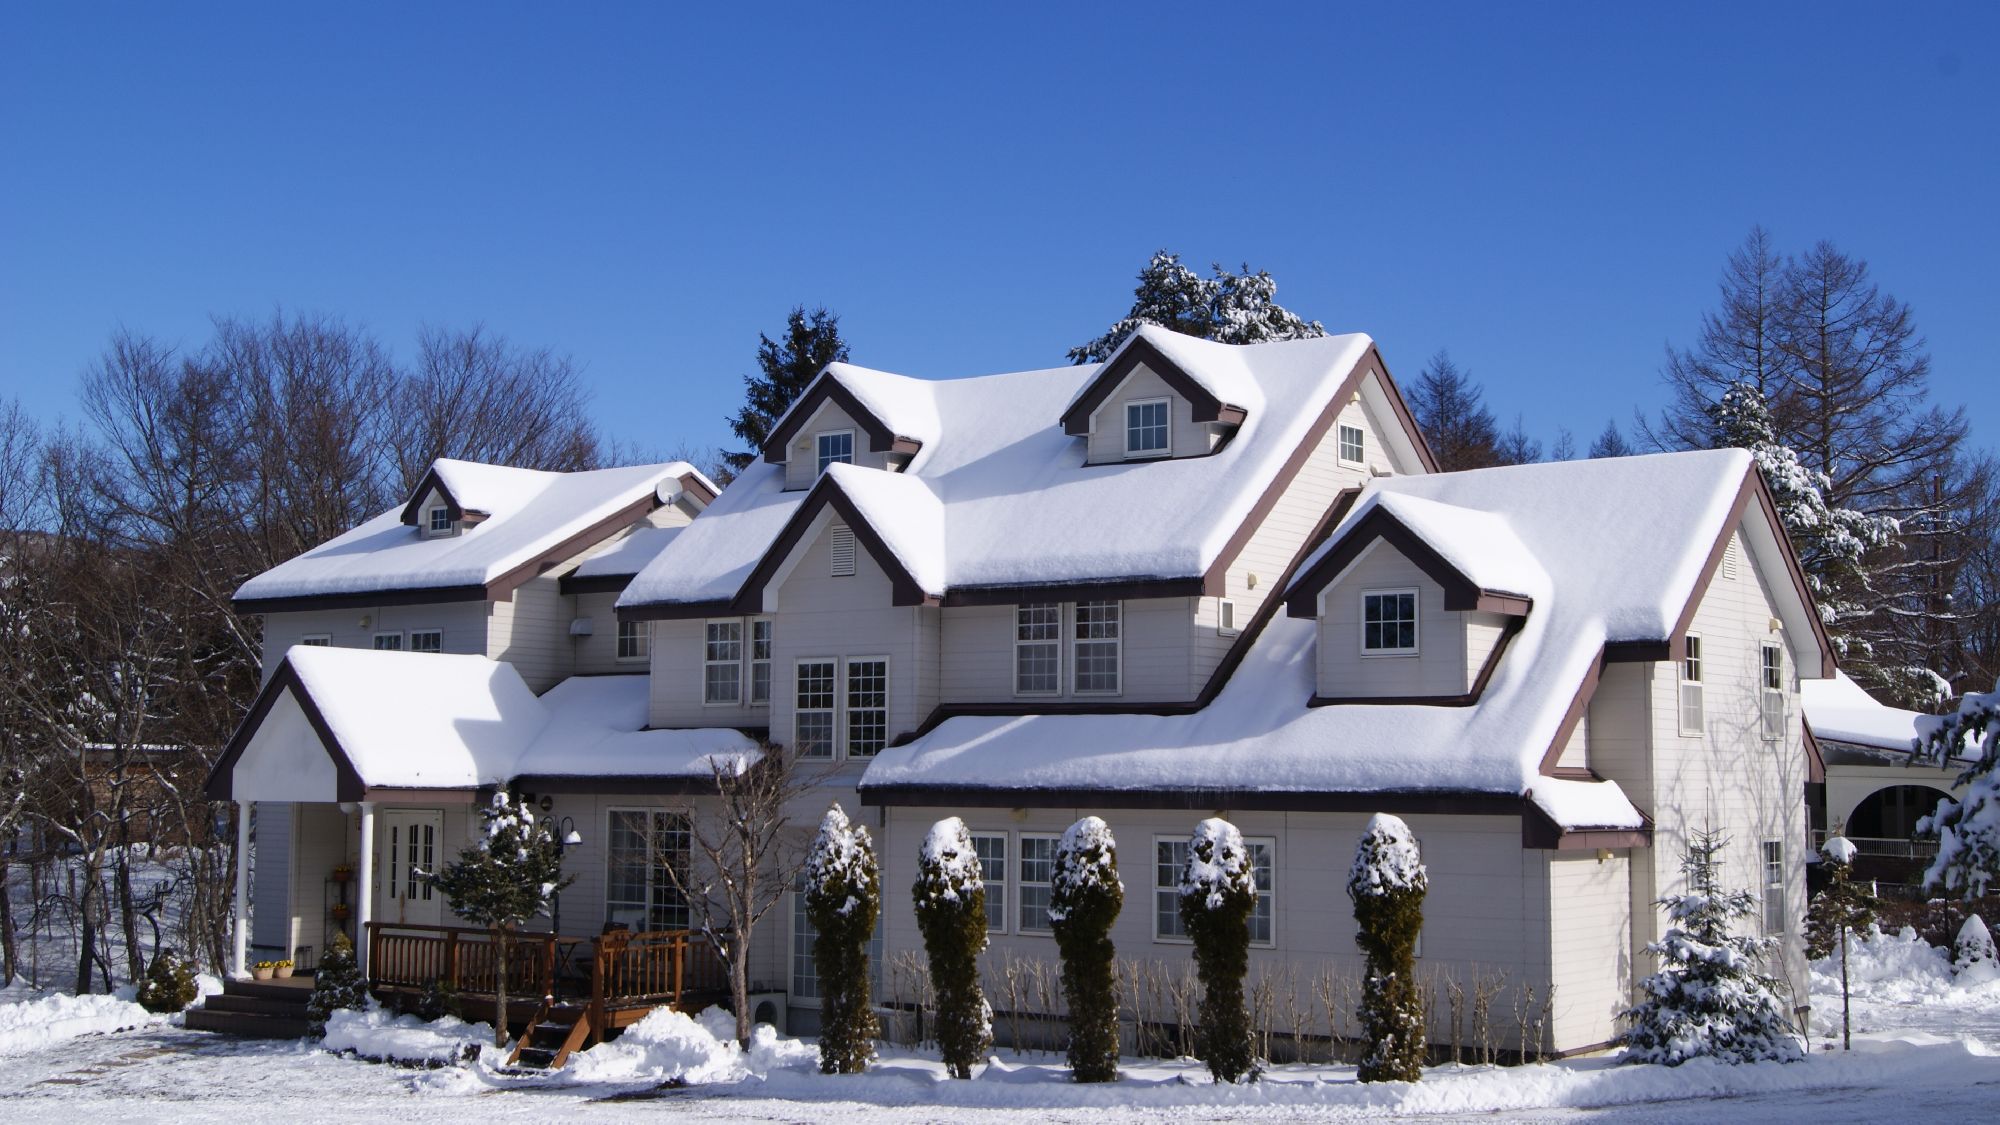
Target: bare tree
x,y
478,397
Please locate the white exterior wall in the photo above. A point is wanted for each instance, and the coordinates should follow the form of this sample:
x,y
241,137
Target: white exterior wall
x,y
675,684
464,625
1185,436
1590,943
1439,666
802,459
597,654
531,631
1156,661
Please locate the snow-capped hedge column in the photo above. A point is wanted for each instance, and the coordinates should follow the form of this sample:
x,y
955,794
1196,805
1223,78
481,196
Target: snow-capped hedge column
x,y
169,983
1218,890
951,912
843,896
1709,1000
1973,948
1387,883
1085,896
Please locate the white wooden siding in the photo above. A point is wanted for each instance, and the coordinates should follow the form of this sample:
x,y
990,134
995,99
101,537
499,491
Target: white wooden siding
x,y
1439,666
1590,945
464,625
802,459
976,655
1186,437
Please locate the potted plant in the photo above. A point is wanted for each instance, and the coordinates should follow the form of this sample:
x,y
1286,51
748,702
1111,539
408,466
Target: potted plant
x,y
282,969
263,970
341,912
342,873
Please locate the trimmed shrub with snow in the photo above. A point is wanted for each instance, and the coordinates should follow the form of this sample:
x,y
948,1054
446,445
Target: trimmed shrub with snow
x,y
1710,998
1085,895
1217,892
337,985
169,985
1973,951
1387,883
843,897
951,913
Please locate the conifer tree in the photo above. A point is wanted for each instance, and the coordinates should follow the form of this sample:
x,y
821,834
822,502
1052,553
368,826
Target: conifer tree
x,y
1710,998
1967,827
1611,443
1387,882
843,897
1973,950
169,985
337,984
1218,890
1456,423
811,340
950,896
1230,308
503,881
1085,895
1842,907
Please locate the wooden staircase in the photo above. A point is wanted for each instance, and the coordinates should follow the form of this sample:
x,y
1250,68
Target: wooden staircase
x,y
556,1031
255,1009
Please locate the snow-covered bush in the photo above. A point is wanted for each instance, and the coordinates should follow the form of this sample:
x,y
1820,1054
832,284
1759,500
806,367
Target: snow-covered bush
x,y
1085,895
1973,951
169,985
337,985
1710,998
1843,903
951,913
439,1001
1968,829
843,897
1217,893
1387,883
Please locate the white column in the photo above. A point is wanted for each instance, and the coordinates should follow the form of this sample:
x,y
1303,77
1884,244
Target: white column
x,y
242,966
364,911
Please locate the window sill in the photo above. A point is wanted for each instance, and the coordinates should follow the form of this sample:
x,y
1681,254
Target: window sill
x,y
1398,654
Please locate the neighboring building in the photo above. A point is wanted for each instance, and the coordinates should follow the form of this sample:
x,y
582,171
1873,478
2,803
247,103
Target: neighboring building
x,y
1197,579
1874,793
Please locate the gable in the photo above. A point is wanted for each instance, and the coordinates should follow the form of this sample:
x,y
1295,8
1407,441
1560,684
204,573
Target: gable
x,y
808,531
284,751
1139,354
871,432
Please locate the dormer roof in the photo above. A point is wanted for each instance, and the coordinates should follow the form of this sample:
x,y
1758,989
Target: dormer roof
x,y
1210,376
895,411
1474,555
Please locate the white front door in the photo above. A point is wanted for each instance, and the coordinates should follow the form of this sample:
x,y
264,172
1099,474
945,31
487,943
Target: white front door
x,y
410,839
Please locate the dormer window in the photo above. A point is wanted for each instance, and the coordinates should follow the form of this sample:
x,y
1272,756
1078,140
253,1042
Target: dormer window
x,y
836,446
440,520
1389,623
1146,428
1353,445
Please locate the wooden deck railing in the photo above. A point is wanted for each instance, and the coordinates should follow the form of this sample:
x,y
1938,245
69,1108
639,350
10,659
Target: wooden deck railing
x,y
659,967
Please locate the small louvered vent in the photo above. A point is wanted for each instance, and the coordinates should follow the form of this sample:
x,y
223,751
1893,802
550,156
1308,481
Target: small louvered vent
x,y
1729,559
842,541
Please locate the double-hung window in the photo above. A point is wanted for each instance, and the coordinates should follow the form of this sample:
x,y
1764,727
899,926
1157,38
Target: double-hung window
x,y
1774,887
388,642
633,639
760,661
1146,428
1691,687
867,706
638,891
426,640
1170,858
1353,445
1263,865
1038,649
1036,875
1389,623
813,705
835,446
722,662
1772,696
992,851
1094,647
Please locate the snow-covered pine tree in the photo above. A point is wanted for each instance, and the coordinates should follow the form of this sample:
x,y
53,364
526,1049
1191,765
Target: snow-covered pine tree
x,y
1710,998
1968,828
506,879
1973,948
811,341
950,899
843,897
1387,882
1085,895
337,984
1834,913
1232,308
169,985
1218,891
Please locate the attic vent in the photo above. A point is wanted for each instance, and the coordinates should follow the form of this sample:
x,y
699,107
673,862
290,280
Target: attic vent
x,y
842,545
1729,558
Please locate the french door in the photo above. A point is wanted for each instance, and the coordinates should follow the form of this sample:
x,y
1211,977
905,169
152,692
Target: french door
x,y
410,841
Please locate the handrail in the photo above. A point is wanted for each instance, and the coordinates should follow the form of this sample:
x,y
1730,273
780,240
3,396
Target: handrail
x,y
658,965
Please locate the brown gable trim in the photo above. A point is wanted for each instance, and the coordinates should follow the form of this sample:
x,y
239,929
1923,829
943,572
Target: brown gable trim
x,y
881,439
1479,682
676,611
503,587
1117,590
1638,652
431,482
1792,567
1579,705
1138,350
221,779
826,491
1540,831
1460,592
637,785
1815,758
1404,416
693,484
369,599
1443,802
594,583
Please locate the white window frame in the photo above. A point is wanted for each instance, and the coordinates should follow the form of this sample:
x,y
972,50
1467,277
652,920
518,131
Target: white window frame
x,y
1691,691
1264,894
832,711
819,451
708,662
1226,624
1054,640
1771,699
652,856
1341,430
996,888
1022,884
766,662
639,634
1167,435
410,640
317,640
1416,622
1116,640
844,705
376,641
431,521
1771,864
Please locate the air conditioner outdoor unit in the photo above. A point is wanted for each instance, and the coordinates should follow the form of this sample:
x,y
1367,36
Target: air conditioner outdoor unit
x,y
768,1007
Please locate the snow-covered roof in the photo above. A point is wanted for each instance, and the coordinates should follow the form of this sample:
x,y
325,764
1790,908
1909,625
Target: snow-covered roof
x,y
1219,370
1840,710
404,720
1014,503
1609,550
628,555
1480,545
529,513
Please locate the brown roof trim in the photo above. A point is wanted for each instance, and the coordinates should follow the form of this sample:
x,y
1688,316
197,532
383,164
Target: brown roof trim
x,y
571,583
1638,652
827,492
412,795
881,439
693,483
1115,590
1815,757
1540,831
221,779
429,482
677,611
368,599
1445,802
1579,705
1793,567
1401,408
647,785
1138,350
1479,682
503,587
1460,592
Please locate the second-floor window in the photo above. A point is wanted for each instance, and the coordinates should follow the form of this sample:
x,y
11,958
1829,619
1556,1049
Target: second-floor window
x,y
722,662
812,708
1691,687
633,639
426,640
1389,622
1094,646
1146,428
1773,694
836,446
867,706
1353,445
760,661
1038,649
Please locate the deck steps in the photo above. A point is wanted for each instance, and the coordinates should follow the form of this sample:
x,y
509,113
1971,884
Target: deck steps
x,y
556,1031
255,1009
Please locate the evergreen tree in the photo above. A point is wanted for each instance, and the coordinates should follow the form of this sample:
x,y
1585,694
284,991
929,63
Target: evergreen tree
x,y
1710,998
1085,895
843,897
1834,913
503,881
1968,827
169,985
1516,447
337,984
1455,422
950,899
1611,443
811,340
1387,882
1231,308
1218,891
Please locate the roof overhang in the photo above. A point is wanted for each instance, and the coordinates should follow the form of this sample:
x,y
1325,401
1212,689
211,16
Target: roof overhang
x,y
281,736
1380,525
1136,352
824,389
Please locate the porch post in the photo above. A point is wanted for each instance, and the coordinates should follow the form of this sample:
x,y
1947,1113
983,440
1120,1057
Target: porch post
x,y
242,966
364,911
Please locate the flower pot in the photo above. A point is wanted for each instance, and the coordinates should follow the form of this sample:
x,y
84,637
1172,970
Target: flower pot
x,y
283,972
262,972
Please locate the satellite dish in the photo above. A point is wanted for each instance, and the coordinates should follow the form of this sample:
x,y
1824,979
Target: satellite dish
x,y
669,490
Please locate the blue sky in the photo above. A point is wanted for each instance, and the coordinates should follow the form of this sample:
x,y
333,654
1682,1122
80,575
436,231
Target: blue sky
x,y
1548,190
